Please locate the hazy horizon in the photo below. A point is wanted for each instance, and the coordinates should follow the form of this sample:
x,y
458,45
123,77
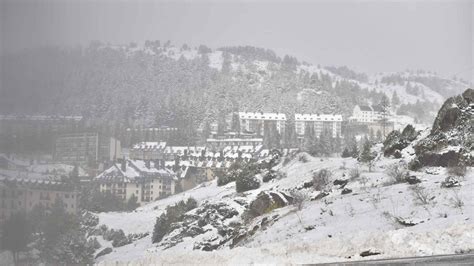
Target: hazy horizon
x,y
364,35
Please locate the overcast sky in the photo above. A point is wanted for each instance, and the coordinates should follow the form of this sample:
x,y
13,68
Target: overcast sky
x,y
365,35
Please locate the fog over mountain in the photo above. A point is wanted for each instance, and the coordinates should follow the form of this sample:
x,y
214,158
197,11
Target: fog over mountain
x,y
235,132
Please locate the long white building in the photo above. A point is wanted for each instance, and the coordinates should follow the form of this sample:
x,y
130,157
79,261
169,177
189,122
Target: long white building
x,y
253,123
319,122
366,114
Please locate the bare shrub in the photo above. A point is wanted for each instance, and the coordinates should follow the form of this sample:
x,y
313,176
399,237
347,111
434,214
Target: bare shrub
x,y
397,173
354,173
286,161
421,195
350,210
459,170
321,179
303,158
457,202
343,166
298,199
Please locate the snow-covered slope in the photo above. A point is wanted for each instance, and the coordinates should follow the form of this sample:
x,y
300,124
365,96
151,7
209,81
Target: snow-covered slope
x,y
338,227
429,86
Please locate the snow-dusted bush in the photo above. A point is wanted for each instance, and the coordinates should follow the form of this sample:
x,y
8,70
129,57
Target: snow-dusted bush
x,y
397,173
457,201
421,195
354,173
321,179
272,174
459,170
246,182
303,158
298,199
173,214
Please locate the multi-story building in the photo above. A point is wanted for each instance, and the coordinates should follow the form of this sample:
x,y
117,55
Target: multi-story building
x,y
146,180
26,133
86,148
148,134
255,123
220,143
25,194
319,122
367,114
148,151
374,118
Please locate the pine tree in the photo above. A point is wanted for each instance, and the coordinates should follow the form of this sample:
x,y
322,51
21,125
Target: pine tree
x,y
346,153
308,136
16,234
353,149
337,144
325,143
379,136
236,122
366,155
395,98
385,105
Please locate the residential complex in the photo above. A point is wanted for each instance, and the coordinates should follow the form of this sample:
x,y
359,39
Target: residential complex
x,y
255,123
25,194
319,122
146,180
86,148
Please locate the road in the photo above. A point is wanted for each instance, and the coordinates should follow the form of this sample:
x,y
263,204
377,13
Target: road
x,y
455,259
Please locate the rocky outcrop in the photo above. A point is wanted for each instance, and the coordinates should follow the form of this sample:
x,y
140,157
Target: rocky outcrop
x,y
450,142
396,141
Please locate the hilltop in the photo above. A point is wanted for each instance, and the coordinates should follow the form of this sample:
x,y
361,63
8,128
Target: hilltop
x,y
162,84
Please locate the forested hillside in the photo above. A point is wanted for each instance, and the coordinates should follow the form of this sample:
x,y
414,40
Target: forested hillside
x,y
161,84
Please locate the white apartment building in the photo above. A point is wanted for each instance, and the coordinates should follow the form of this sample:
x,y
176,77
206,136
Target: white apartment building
x,y
366,114
254,123
319,122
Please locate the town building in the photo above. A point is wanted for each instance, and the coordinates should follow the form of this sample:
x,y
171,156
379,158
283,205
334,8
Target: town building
x,y
220,143
25,194
148,134
86,148
27,133
146,180
373,118
148,151
367,114
319,122
255,123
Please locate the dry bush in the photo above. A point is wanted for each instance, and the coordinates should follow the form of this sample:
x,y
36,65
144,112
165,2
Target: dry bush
x,y
298,199
354,173
457,202
321,179
303,158
421,194
397,173
459,170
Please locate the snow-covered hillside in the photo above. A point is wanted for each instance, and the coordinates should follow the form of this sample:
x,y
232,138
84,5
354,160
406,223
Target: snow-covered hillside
x,y
425,91
372,214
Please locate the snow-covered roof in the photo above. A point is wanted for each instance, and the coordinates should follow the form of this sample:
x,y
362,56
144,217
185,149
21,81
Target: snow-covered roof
x,y
236,140
317,117
153,129
262,116
181,149
134,170
40,117
149,145
365,108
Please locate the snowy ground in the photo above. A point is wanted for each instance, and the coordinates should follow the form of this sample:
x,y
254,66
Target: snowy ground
x,y
342,226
